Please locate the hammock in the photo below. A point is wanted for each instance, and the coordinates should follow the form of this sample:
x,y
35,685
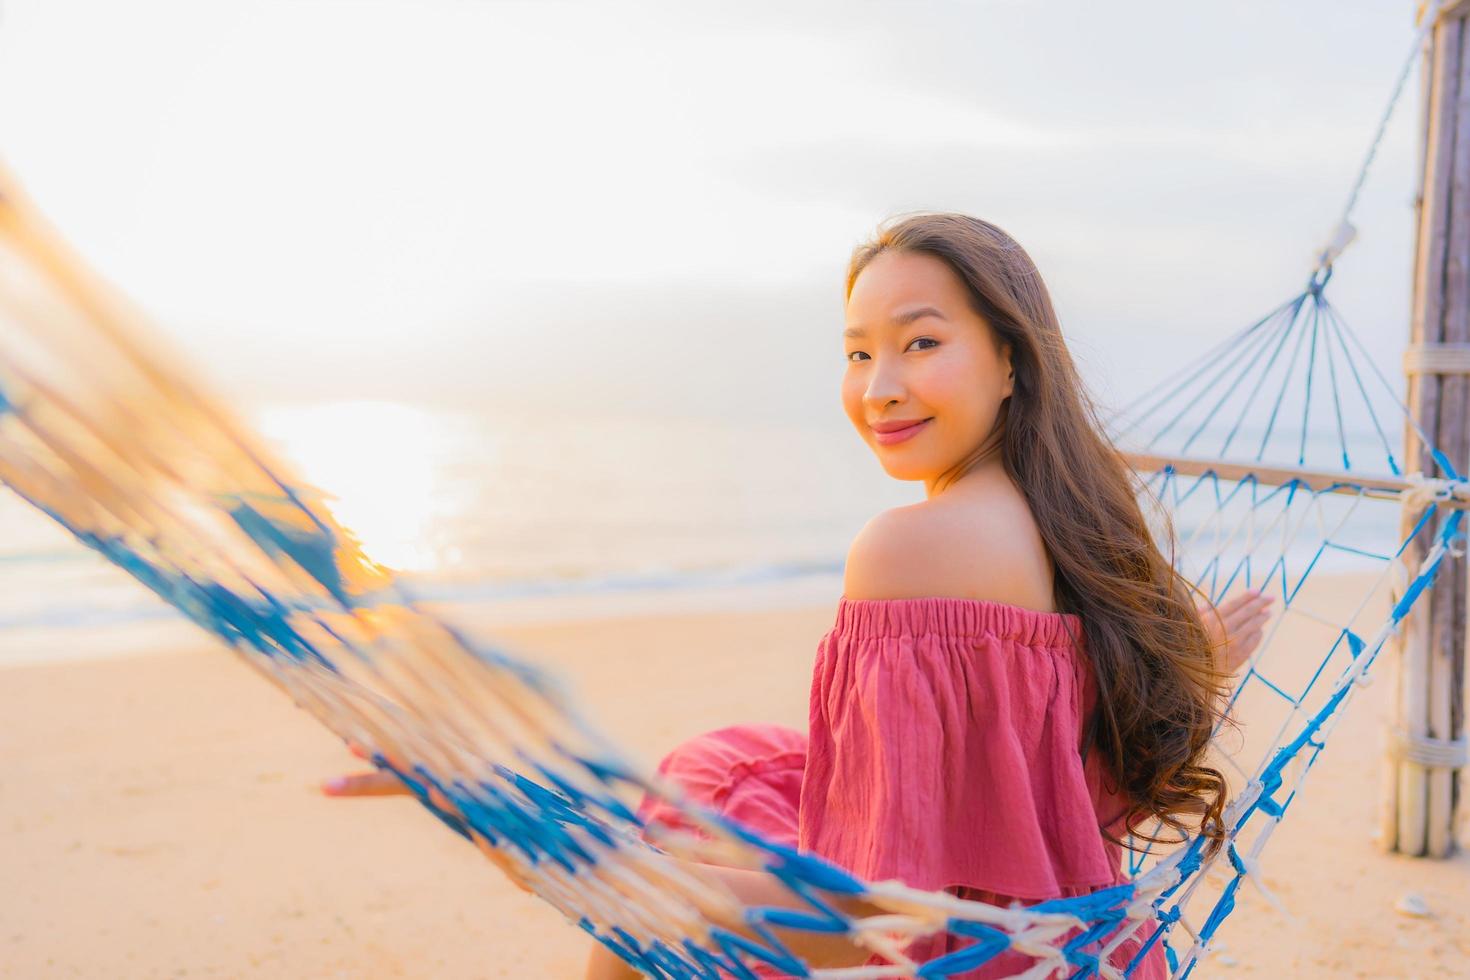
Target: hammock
x,y
1269,457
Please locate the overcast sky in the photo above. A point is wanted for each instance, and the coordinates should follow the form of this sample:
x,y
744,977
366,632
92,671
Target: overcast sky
x,y
648,206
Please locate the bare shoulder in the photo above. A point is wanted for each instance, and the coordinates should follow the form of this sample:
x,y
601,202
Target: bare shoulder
x,y
977,545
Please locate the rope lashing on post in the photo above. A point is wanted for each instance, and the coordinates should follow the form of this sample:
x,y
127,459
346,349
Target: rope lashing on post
x,y
1437,359
1428,751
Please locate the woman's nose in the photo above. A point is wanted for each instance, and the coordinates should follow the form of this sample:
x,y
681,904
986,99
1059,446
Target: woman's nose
x,y
884,385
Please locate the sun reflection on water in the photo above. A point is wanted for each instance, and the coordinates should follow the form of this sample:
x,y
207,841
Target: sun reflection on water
x,y
384,469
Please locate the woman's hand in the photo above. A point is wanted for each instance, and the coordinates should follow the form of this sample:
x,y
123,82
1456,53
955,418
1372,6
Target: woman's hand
x,y
377,782
1236,626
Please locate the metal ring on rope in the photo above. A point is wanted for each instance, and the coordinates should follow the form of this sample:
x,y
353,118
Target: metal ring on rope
x,y
1320,277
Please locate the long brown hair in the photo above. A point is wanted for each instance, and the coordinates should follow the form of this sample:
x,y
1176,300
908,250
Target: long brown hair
x,y
1160,689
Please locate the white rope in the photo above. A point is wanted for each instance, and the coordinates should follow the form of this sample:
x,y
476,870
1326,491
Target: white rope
x,y
1344,233
1341,239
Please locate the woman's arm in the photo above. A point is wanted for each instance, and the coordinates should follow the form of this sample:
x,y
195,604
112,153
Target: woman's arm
x,y
751,888
761,888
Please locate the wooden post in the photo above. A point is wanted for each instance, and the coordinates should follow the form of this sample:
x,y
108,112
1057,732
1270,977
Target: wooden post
x,y
1422,778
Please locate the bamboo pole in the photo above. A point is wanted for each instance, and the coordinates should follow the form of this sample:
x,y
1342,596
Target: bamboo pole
x,y
1421,776
1317,481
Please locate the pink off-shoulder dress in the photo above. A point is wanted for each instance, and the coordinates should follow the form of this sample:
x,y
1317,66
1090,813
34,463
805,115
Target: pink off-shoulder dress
x,y
944,750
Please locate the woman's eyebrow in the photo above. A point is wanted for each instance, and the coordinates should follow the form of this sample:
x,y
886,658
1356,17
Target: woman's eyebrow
x,y
911,315
901,320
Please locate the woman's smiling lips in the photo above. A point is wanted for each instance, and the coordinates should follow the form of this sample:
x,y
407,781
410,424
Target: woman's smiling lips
x,y
896,431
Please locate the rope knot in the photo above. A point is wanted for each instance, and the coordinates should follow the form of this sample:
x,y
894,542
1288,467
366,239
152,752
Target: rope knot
x,y
1424,491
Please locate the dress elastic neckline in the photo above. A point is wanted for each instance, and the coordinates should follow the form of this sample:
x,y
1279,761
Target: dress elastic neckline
x,y
956,616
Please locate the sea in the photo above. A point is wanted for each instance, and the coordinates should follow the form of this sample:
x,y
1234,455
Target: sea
x,y
544,516
470,508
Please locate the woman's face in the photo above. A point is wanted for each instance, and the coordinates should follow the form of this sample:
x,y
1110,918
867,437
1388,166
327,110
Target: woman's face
x,y
926,375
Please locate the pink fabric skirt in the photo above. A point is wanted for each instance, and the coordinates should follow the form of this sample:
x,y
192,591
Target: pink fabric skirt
x,y
753,774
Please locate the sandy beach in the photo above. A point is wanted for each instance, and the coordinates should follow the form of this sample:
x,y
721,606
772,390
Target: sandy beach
x,y
161,819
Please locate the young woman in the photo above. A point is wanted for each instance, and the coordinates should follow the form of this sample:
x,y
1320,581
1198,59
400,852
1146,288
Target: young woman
x,y
1017,677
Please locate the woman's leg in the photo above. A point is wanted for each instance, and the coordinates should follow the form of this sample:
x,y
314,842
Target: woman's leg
x,y
756,771
604,964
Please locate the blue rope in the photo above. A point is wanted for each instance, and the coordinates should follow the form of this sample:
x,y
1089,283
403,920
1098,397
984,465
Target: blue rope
x,y
1260,347
1301,456
1336,399
1250,399
1191,372
1262,342
1281,394
1446,468
1339,329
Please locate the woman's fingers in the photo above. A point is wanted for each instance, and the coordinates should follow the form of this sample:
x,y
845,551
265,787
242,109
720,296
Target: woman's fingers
x,y
1246,640
1229,606
1245,606
1240,612
1238,624
376,783
1214,620
1245,645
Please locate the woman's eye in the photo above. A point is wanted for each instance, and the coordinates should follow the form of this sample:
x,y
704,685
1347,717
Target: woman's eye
x,y
857,355
926,341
